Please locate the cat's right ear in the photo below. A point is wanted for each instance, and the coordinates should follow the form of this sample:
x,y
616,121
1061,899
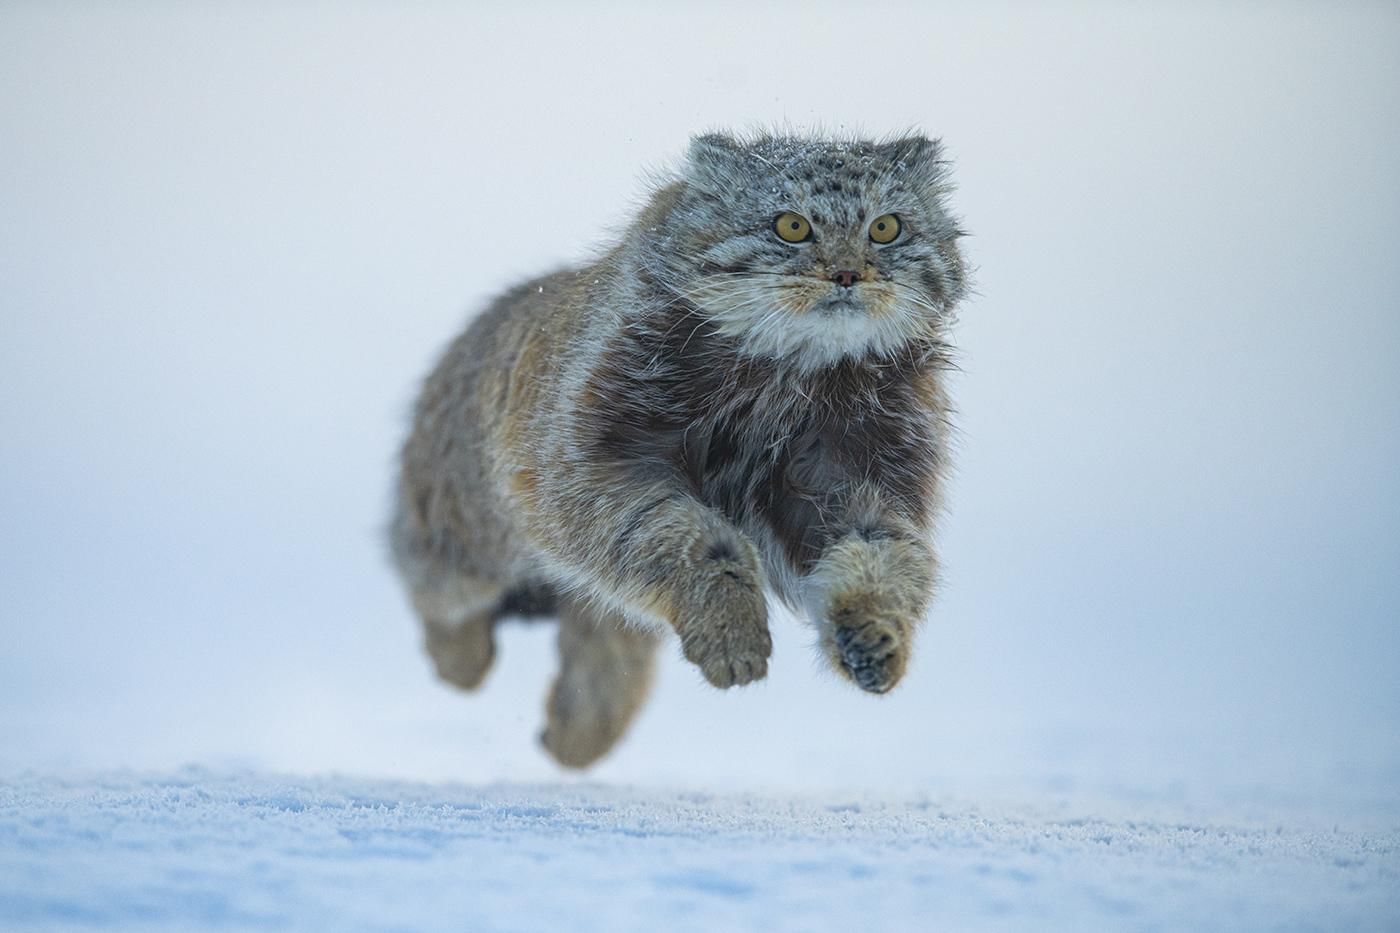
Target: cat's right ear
x,y
714,162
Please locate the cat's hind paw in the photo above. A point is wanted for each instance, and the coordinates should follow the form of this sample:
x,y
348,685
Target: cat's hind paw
x,y
462,654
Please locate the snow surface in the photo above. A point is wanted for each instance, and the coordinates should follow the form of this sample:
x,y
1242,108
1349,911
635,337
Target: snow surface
x,y
199,849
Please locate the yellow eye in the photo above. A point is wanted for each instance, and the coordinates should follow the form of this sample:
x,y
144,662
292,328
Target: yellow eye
x,y
885,228
792,227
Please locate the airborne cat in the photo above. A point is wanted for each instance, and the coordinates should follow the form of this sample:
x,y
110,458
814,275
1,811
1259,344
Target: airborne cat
x,y
745,393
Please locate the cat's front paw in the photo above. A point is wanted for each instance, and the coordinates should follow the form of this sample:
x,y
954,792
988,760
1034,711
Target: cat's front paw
x,y
731,651
724,627
869,648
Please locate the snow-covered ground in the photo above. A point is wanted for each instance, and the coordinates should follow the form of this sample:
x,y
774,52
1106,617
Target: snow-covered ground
x,y
197,849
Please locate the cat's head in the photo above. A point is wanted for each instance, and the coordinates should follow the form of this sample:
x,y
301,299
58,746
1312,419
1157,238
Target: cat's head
x,y
814,250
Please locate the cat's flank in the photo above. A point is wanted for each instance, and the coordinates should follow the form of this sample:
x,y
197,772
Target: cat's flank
x,y
745,394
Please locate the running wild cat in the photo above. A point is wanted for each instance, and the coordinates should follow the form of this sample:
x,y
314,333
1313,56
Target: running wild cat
x,y
745,393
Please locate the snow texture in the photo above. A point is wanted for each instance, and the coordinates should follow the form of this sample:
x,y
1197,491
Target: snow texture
x,y
199,849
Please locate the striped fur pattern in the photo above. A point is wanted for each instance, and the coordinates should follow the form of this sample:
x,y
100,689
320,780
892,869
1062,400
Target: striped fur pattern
x,y
702,415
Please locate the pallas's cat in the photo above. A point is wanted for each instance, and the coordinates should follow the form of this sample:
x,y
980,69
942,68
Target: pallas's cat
x,y
745,393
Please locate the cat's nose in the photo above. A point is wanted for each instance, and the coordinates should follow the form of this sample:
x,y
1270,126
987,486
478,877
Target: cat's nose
x,y
846,277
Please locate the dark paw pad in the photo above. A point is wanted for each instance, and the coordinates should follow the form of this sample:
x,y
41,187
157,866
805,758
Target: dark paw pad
x,y
871,654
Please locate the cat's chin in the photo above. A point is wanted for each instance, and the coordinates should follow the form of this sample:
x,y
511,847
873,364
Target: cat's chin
x,y
827,334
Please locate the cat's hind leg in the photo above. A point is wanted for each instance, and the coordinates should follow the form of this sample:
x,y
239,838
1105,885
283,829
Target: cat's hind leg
x,y
459,620
455,594
605,673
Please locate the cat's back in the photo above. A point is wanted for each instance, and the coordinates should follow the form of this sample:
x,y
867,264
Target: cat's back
x,y
468,391
454,462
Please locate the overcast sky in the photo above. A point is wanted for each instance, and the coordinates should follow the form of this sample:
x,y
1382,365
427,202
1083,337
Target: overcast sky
x,y
233,237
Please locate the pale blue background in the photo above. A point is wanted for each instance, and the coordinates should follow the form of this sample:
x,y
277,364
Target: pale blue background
x,y
233,237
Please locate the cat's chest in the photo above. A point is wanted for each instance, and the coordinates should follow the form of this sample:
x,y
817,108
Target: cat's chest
x,y
769,445
753,435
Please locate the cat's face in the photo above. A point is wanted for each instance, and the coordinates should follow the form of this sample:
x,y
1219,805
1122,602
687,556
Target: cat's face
x,y
815,251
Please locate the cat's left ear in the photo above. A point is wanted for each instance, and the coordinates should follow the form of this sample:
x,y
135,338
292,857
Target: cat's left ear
x,y
917,161
714,162
917,155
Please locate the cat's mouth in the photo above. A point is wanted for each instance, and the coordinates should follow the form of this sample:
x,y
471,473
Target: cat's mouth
x,y
741,297
843,300
834,295
813,295
874,298
806,317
